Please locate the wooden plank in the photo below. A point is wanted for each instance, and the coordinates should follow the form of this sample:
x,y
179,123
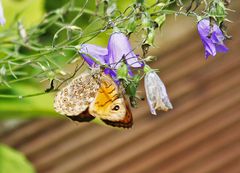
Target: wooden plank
x,y
232,166
177,127
202,141
27,131
144,155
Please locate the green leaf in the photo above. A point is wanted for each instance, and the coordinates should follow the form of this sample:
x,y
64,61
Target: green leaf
x,y
12,161
132,86
150,37
146,21
131,89
140,1
160,20
147,69
122,72
31,11
131,27
218,11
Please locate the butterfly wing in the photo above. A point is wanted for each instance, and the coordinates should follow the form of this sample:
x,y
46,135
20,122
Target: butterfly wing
x,y
126,122
82,117
83,99
74,99
110,105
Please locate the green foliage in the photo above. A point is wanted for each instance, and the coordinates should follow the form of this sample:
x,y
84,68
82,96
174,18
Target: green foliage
x,y
30,11
217,10
25,107
131,86
122,72
12,161
160,20
36,49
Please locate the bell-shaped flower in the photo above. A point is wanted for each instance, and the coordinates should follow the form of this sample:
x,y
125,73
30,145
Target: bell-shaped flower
x,y
156,93
118,50
212,38
2,18
93,54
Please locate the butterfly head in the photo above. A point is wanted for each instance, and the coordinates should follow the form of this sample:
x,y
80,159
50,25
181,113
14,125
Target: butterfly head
x,y
116,110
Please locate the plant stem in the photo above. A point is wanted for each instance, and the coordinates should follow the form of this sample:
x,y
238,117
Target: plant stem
x,y
25,96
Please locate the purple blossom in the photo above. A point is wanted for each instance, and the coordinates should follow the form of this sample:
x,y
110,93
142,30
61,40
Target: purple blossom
x,y
2,18
97,52
119,47
212,38
118,50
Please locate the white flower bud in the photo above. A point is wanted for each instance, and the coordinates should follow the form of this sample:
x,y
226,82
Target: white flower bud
x,y
156,93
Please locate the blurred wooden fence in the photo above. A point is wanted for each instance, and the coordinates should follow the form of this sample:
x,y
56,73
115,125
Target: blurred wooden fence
x,y
201,134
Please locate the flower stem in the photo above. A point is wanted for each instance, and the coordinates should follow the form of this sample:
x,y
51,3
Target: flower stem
x,y
24,96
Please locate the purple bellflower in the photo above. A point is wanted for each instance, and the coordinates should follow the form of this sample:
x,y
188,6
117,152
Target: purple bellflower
x,y
212,38
118,50
2,18
96,52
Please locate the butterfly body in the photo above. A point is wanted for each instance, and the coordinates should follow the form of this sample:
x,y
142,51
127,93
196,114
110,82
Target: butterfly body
x,y
89,96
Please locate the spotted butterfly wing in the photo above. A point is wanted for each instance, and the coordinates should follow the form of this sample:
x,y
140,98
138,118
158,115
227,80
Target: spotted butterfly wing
x,y
87,97
76,97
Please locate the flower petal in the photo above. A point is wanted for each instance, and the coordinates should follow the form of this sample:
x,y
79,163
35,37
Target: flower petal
x,y
133,61
110,72
118,48
113,75
215,43
203,28
221,48
218,38
209,46
156,93
149,87
217,35
163,94
97,52
204,31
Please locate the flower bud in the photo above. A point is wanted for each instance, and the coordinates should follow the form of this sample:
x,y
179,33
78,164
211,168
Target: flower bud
x,y
156,93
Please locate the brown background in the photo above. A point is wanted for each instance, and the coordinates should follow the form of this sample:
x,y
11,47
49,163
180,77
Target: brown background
x,y
200,135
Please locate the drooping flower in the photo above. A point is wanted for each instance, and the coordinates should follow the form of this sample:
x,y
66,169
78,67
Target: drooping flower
x,y
212,38
2,18
92,53
118,50
156,93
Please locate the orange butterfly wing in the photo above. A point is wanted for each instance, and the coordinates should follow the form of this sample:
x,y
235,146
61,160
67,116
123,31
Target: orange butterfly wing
x,y
127,122
110,105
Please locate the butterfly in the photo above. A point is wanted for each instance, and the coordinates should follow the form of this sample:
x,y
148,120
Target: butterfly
x,y
90,96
